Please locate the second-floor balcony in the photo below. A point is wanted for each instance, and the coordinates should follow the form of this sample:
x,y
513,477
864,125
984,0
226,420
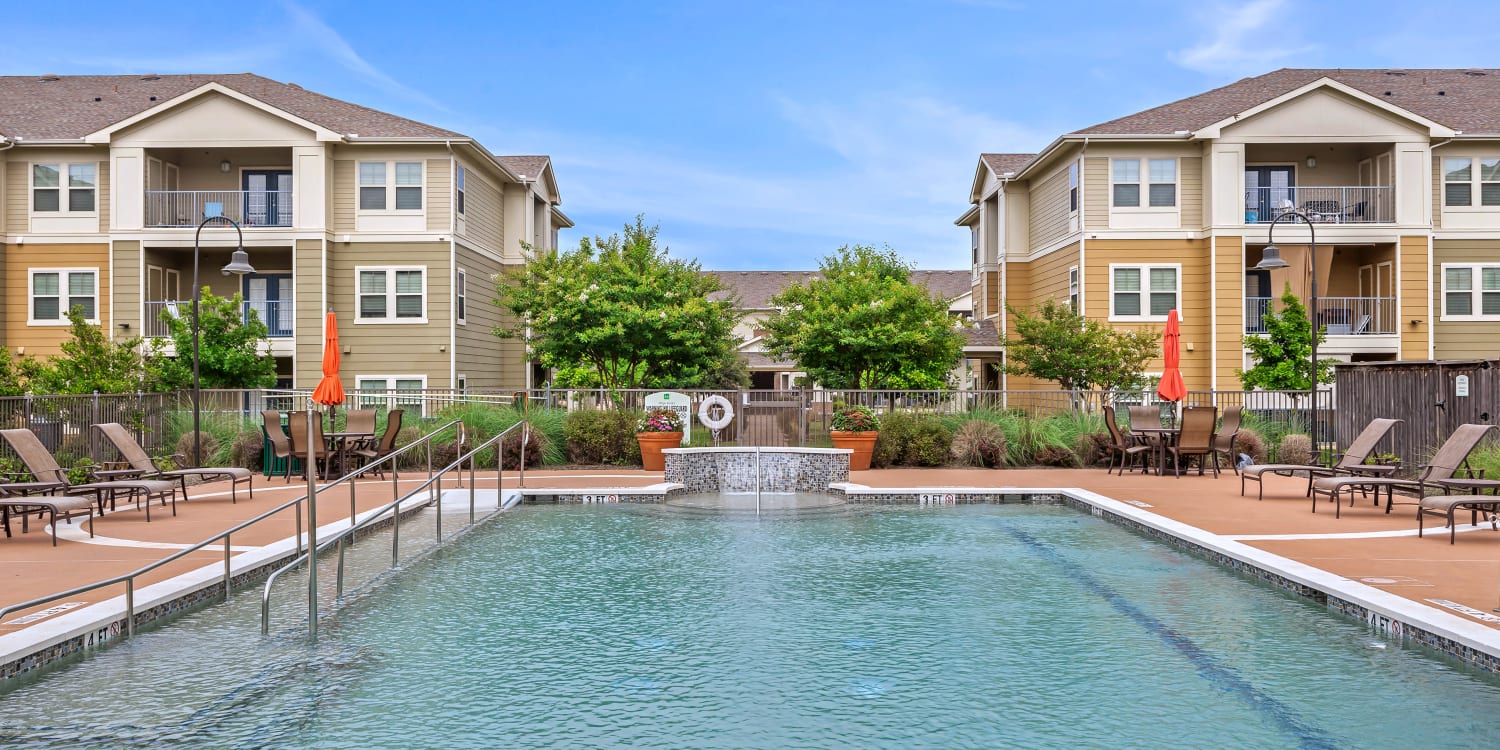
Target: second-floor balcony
x,y
1339,316
1334,204
278,315
188,208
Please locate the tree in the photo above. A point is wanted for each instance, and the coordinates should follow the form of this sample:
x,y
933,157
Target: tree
x,y
229,354
1283,356
864,324
619,311
90,363
1080,354
16,373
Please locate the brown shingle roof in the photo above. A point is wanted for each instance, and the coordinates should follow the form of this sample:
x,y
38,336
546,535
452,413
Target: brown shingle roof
x,y
529,167
982,334
64,107
756,288
1467,100
1002,163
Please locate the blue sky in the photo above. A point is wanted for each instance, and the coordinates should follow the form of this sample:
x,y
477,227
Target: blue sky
x,y
758,135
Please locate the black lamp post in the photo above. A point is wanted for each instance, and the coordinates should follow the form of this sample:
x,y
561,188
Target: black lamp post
x,y
239,265
1271,259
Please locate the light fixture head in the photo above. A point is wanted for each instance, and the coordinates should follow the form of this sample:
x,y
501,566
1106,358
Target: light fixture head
x,y
1270,259
239,264
224,166
1312,162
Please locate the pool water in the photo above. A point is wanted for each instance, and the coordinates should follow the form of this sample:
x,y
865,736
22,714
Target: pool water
x,y
615,626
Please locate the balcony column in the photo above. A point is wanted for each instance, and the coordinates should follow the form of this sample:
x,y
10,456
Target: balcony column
x,y
310,170
127,186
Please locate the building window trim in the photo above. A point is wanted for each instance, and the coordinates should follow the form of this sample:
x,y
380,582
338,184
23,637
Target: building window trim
x,y
1144,183
459,190
1073,188
1144,292
392,399
65,189
390,294
1476,292
64,295
461,297
1074,299
391,183
1483,194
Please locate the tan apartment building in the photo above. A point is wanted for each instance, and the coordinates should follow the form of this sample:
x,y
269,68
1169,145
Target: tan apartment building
x,y
1172,207
397,226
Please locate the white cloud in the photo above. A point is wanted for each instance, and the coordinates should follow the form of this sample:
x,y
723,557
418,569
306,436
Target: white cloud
x,y
314,34
1242,38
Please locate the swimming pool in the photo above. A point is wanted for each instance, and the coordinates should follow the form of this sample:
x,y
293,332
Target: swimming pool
x,y
975,626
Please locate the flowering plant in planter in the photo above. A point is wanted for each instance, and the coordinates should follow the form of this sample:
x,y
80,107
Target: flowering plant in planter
x,y
660,420
855,419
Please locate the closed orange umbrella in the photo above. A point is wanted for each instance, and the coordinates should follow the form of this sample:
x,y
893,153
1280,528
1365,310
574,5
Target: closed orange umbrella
x,y
1171,387
330,392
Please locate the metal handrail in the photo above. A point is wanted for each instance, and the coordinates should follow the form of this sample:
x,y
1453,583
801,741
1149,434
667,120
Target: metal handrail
x,y
129,578
394,507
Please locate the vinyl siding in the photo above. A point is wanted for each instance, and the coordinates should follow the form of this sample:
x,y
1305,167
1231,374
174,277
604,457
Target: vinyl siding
x,y
342,220
1018,295
307,290
439,196
1411,275
1437,191
487,360
1031,284
1194,307
1049,209
1190,182
44,340
126,288
991,283
484,213
391,349
1230,312
1096,192
16,197
1461,340
102,194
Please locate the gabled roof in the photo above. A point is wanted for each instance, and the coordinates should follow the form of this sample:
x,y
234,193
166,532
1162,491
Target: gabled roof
x,y
1003,163
982,335
756,288
1465,100
532,168
42,108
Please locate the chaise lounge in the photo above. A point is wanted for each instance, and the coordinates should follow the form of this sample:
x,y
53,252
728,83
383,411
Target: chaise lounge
x,y
53,479
1351,463
142,466
53,506
1440,471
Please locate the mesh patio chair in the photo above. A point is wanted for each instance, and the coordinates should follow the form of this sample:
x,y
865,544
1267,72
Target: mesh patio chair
x,y
385,446
142,466
1352,462
52,479
1440,472
50,506
281,445
1196,438
1229,429
1122,445
360,420
297,431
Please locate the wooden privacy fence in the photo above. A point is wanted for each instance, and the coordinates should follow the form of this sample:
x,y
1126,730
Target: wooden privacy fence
x,y
1433,397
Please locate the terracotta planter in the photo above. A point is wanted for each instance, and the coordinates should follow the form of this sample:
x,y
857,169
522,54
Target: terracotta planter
x,y
862,443
652,444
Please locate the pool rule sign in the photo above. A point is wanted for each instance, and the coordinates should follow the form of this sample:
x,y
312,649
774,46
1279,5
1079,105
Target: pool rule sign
x,y
678,402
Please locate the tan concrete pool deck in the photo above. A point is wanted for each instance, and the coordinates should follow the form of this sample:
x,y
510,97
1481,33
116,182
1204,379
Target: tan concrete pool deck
x,y
1397,562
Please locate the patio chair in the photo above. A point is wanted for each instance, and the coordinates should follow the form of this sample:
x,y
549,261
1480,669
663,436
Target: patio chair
x,y
297,431
1196,438
1439,472
1122,445
281,445
52,506
142,466
1229,429
1351,462
360,420
1448,506
385,446
1145,416
52,479
1356,212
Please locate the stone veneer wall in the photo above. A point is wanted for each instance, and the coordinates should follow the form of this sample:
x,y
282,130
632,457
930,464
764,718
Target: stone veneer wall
x,y
720,470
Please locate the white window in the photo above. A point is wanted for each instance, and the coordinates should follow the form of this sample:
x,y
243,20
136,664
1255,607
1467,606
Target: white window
x,y
1073,288
1161,182
54,291
391,295
1471,291
460,185
1144,292
1466,177
378,180
1073,187
974,241
463,383
392,392
63,188
461,297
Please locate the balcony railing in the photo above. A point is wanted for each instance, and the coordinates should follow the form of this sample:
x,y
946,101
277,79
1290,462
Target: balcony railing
x,y
276,314
187,208
1333,205
1340,316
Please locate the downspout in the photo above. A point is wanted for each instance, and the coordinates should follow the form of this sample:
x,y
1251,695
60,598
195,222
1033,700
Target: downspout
x,y
452,267
1000,252
1431,282
1082,231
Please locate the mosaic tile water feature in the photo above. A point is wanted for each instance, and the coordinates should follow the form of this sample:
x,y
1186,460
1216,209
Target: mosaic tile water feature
x,y
734,469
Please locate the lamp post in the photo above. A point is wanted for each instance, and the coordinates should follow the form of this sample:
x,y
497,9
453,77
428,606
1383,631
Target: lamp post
x,y
239,265
1270,260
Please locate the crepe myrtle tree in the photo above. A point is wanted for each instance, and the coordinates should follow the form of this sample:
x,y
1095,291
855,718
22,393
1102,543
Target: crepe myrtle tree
x,y
229,346
864,324
1283,355
617,311
1056,343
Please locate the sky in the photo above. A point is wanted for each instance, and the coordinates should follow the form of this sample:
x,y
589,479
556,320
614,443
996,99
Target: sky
x,y
758,135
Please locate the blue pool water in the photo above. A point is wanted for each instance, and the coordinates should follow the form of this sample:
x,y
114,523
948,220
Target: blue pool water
x,y
584,627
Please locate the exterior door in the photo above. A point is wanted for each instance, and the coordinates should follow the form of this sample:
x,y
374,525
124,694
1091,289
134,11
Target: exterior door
x,y
1265,190
270,296
268,197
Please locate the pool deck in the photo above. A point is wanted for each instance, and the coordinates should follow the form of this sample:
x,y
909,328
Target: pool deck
x,y
1365,545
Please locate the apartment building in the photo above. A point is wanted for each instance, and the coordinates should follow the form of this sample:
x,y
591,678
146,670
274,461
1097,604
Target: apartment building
x,y
1172,208
397,226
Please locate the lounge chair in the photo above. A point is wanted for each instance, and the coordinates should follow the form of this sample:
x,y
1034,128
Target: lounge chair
x,y
65,506
1122,445
1440,471
1195,438
1352,462
1448,506
1229,429
53,479
142,466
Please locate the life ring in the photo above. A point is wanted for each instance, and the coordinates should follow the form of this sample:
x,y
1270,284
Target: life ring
x,y
705,412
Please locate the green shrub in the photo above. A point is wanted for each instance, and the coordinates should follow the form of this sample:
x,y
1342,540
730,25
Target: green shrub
x,y
1056,455
602,436
895,433
510,449
208,442
1294,449
977,442
82,470
929,443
